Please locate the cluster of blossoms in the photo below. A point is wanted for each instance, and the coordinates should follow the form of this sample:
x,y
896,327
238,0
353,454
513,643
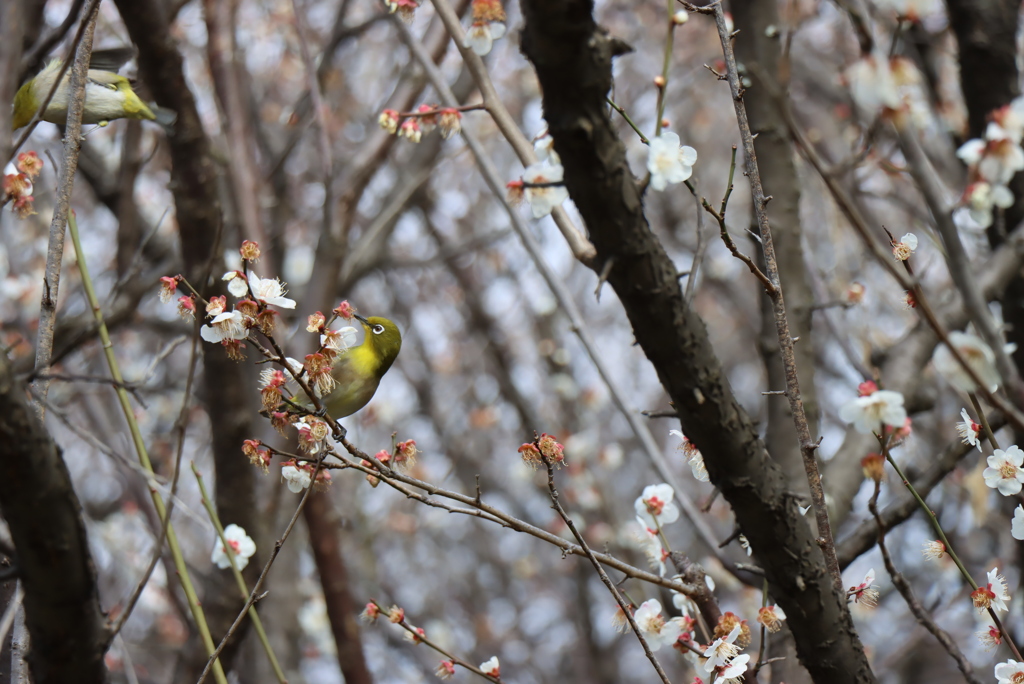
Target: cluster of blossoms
x,y
541,184
242,547
542,450
993,161
17,183
721,659
414,125
655,508
252,310
886,87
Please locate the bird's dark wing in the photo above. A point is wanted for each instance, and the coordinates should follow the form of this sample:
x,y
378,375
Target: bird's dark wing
x,y
111,59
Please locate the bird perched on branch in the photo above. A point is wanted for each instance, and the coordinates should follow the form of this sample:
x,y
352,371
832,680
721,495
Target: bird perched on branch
x,y
108,95
357,371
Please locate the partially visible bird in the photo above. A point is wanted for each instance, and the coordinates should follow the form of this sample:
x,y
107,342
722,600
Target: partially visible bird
x,y
357,371
108,95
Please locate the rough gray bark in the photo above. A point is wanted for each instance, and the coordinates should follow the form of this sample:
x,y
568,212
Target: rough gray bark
x,y
62,607
572,56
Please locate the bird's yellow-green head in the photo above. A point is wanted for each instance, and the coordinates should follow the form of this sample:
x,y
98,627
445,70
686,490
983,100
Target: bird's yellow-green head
x,y
383,339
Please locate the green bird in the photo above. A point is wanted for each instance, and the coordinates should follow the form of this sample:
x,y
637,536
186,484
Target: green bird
x,y
358,370
108,95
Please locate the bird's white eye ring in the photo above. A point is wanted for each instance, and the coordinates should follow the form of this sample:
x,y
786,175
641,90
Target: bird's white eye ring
x,y
378,329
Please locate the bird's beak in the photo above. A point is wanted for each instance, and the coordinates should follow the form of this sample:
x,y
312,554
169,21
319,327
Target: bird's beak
x,y
362,320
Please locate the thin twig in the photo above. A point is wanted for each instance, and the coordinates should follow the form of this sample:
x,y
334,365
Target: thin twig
x,y
702,246
558,288
956,256
180,428
422,638
255,595
808,446
949,548
723,230
239,580
140,449
902,586
46,42
625,116
860,226
623,605
395,480
65,181
581,247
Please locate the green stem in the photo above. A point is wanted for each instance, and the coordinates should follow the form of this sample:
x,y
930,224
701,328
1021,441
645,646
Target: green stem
x,y
624,115
140,448
663,90
931,516
229,552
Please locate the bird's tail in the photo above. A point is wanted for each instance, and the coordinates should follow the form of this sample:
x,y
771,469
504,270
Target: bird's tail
x,y
165,117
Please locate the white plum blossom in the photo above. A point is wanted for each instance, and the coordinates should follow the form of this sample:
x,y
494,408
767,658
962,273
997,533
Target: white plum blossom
x,y
296,478
997,158
722,650
1011,118
655,505
669,161
1017,525
544,200
869,413
491,667
693,457
733,670
976,353
650,544
872,85
241,544
270,291
229,325
1004,470
969,430
544,146
681,602
1010,672
905,247
981,198
340,339
865,592
771,617
237,283
913,10
997,585
656,629
481,36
